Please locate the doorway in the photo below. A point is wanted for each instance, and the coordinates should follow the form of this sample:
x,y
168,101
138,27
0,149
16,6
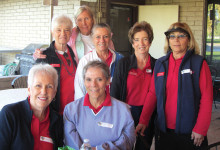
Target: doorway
x,y
122,17
212,53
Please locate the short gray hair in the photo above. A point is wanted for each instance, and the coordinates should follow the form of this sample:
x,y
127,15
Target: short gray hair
x,y
46,68
97,64
101,25
61,19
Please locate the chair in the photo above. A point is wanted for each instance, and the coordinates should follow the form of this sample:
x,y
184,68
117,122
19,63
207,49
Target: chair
x,y
214,145
19,82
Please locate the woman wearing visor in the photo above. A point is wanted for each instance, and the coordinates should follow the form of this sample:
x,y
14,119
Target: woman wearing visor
x,y
181,88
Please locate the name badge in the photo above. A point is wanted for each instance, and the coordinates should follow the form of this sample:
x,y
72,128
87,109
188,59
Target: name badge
x,y
104,124
55,65
46,139
160,74
148,70
186,71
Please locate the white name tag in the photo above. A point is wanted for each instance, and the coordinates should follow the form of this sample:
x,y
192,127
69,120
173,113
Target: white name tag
x,y
186,71
46,139
104,124
148,70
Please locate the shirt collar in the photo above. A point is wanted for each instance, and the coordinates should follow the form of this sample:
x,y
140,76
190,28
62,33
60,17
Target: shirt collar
x,y
176,60
61,52
47,112
148,65
107,101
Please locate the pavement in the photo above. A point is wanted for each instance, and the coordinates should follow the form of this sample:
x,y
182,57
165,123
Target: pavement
x,y
214,128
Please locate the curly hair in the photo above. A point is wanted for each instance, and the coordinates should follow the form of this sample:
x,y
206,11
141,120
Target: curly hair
x,y
141,26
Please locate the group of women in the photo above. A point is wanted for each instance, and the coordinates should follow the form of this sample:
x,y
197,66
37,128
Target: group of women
x,y
170,98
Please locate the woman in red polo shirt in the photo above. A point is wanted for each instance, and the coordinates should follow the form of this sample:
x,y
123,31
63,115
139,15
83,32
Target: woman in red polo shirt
x,y
31,124
61,57
181,88
133,74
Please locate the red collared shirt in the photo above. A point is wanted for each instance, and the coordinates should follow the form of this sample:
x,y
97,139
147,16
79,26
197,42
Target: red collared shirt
x,y
109,59
66,82
138,82
172,91
40,132
107,102
205,85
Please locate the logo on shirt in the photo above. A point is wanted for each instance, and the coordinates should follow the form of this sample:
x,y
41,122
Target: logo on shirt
x,y
160,74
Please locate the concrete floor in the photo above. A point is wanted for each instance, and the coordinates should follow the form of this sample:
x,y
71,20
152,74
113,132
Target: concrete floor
x,y
214,128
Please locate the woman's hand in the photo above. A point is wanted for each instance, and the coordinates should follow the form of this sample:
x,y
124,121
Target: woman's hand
x,y
38,54
140,128
198,138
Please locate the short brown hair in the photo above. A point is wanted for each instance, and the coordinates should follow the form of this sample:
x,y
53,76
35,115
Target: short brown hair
x,y
141,26
97,64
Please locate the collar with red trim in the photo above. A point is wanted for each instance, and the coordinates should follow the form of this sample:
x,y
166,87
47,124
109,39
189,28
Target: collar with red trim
x,y
107,101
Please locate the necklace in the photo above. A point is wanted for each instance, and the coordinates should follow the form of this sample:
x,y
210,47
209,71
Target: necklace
x,y
67,65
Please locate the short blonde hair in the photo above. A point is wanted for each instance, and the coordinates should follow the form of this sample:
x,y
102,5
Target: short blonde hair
x,y
181,27
82,9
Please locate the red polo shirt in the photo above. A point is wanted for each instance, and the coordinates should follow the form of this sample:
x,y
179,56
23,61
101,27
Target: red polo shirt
x,y
205,84
138,82
40,132
67,76
107,102
109,59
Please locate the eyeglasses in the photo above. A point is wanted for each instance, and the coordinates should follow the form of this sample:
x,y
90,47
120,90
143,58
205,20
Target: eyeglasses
x,y
180,37
67,59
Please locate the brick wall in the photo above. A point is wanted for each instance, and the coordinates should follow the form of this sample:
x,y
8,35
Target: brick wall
x,y
28,21
191,12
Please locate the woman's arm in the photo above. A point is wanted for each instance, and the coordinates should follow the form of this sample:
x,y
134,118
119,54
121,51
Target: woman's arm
x,y
6,129
204,116
205,110
79,87
148,109
116,85
126,140
71,136
38,54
